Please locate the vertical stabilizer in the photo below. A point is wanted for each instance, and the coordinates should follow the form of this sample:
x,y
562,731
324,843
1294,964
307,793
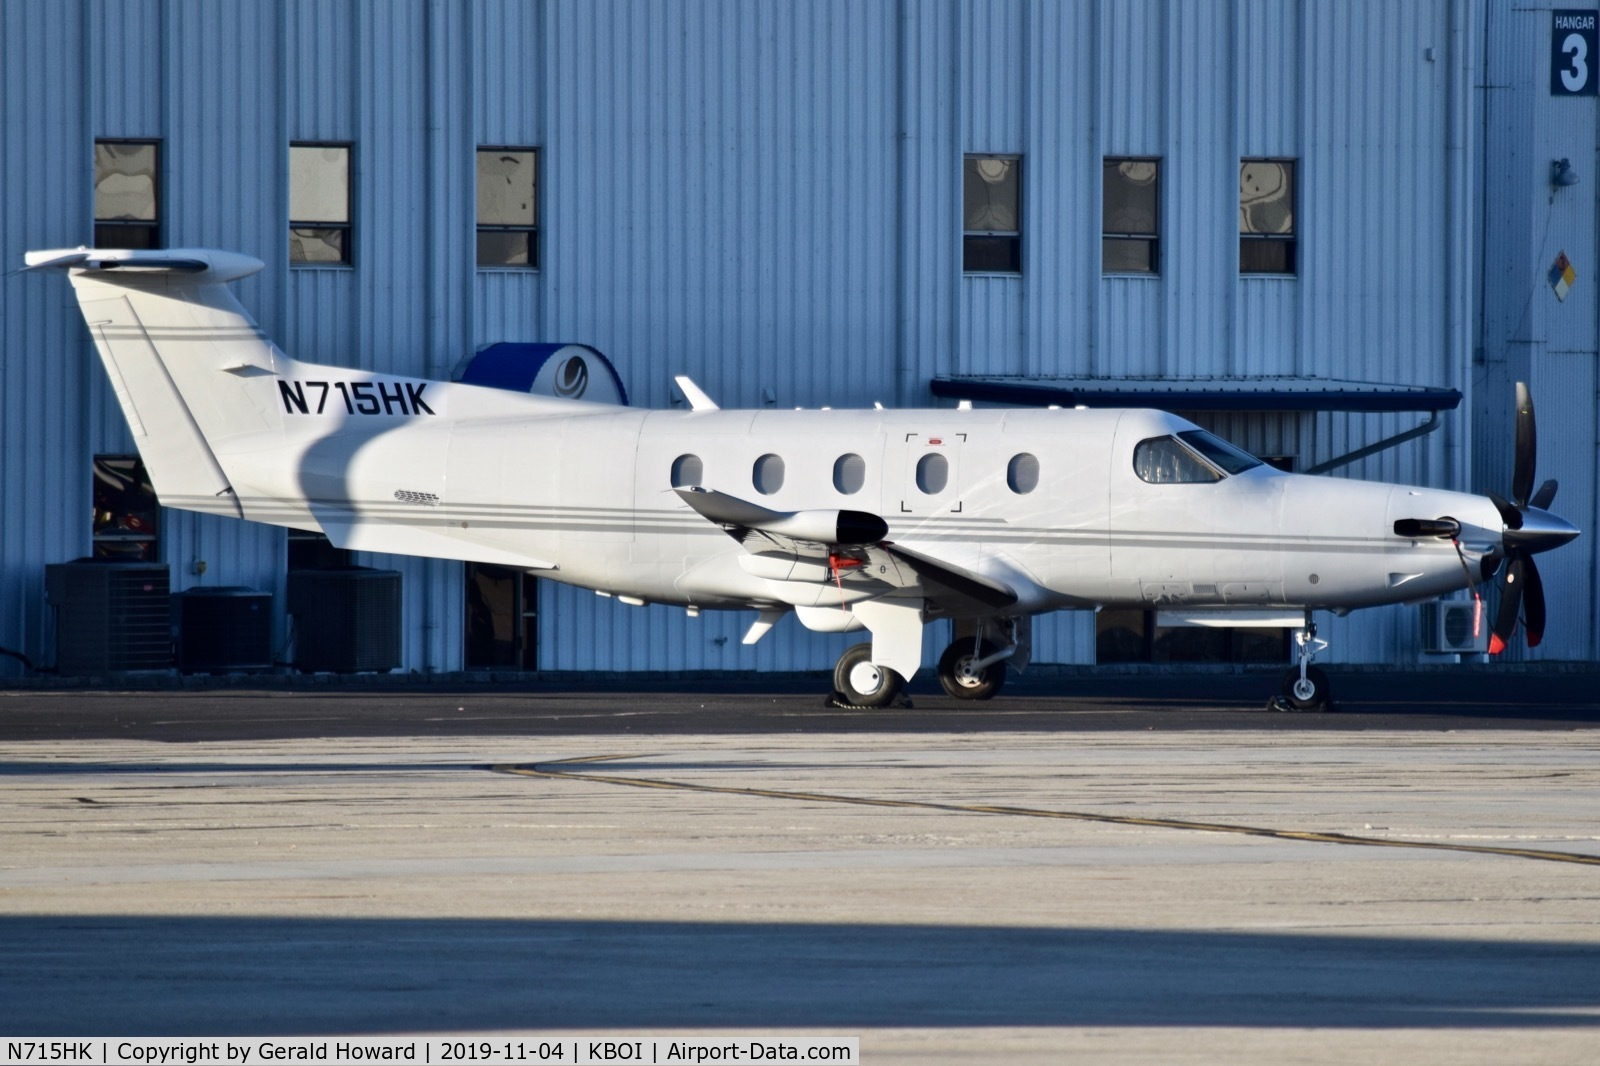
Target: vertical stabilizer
x,y
187,363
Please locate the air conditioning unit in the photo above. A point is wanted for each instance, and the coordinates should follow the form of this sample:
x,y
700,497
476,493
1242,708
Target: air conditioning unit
x,y
223,630
346,619
1448,628
111,615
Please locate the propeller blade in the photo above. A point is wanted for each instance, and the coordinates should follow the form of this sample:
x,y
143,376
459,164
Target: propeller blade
x,y
1489,565
1510,515
1545,496
1527,447
1533,605
1505,620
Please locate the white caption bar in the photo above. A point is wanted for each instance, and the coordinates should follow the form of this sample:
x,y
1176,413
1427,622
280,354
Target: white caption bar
x,y
501,1051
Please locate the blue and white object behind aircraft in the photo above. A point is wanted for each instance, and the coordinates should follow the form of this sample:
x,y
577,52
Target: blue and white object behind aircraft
x,y
876,520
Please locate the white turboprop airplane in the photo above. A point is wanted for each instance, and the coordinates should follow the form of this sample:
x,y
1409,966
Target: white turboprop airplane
x,y
878,520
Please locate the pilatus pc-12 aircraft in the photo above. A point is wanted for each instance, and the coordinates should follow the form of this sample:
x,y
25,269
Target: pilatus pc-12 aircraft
x,y
874,520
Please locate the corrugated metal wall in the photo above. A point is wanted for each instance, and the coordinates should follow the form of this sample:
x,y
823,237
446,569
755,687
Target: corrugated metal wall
x,y
767,197
1527,333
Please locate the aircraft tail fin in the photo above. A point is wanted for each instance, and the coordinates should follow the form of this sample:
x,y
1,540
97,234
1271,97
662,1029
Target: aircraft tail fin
x,y
188,364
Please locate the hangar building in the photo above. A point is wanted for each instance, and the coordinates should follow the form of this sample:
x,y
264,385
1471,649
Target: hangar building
x,y
1315,228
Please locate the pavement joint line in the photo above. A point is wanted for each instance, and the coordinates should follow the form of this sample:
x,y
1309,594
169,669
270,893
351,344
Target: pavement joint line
x,y
555,771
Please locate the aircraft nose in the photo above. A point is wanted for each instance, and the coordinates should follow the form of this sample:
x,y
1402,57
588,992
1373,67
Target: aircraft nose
x,y
1540,532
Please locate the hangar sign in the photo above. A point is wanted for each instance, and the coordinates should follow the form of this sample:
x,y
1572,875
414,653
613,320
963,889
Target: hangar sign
x,y
1574,44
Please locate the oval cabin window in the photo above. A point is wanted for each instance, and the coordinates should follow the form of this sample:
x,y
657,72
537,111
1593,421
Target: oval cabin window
x,y
687,471
933,473
1022,476
768,474
849,474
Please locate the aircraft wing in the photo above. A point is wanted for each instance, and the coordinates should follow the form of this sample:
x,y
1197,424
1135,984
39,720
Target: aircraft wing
x,y
877,565
952,587
808,534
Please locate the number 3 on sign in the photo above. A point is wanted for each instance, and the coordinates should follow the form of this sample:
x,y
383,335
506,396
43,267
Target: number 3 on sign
x,y
1573,41
1576,74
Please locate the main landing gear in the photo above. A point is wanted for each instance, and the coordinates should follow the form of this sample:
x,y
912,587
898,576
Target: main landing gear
x,y
858,682
1305,688
972,668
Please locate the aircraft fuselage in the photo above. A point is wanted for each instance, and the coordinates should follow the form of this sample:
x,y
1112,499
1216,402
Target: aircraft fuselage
x,y
583,493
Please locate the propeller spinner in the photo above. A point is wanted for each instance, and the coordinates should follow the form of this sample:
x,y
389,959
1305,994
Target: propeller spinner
x,y
1529,529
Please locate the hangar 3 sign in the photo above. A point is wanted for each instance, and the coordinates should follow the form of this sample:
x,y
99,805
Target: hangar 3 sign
x,y
1573,46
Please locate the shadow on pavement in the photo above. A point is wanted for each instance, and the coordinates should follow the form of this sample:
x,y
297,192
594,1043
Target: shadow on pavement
x,y
113,975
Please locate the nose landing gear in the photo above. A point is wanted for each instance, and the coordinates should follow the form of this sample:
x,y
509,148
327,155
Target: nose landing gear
x,y
1305,688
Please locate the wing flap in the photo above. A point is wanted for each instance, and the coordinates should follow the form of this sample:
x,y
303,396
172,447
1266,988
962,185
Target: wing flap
x,y
952,588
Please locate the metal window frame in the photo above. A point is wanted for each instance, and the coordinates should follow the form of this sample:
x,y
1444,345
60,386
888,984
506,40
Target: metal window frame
x,y
159,223
1015,235
347,227
538,207
1291,239
154,539
1154,237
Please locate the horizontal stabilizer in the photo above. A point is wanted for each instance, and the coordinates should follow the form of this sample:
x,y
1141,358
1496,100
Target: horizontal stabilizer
x,y
199,264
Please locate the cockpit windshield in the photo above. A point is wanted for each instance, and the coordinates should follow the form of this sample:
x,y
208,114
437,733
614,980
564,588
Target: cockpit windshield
x,y
1232,460
1164,461
1193,457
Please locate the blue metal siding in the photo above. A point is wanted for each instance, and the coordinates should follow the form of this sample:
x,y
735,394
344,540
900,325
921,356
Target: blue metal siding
x,y
510,81
1528,334
44,379
768,197
1061,254
724,208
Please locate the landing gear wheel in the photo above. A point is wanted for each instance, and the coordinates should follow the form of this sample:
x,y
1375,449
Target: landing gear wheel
x,y
1308,695
859,683
964,683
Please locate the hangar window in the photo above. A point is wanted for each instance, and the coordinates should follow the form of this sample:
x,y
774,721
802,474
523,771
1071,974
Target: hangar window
x,y
508,207
1130,216
1164,461
1022,475
1266,216
991,238
127,194
319,204
127,515
687,471
768,474
849,473
933,474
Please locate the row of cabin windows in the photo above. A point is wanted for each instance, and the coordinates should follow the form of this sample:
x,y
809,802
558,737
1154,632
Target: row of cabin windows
x,y
850,473
1130,206
127,202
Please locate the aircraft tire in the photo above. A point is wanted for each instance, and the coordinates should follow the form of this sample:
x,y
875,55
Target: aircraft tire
x,y
1297,699
861,684
964,686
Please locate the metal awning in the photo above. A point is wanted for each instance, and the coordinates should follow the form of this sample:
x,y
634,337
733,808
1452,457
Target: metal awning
x,y
1201,394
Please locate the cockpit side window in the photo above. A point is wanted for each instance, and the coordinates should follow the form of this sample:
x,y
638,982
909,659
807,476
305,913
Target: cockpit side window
x,y
1224,455
1165,461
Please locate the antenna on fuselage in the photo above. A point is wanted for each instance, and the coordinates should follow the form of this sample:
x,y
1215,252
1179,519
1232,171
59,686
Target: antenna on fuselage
x,y
698,400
